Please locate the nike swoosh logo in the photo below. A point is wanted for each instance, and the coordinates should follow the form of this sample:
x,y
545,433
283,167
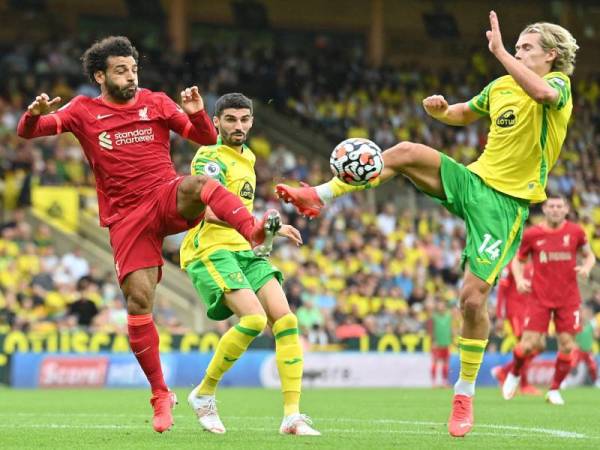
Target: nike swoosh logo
x,y
228,359
463,425
103,116
141,351
289,362
236,210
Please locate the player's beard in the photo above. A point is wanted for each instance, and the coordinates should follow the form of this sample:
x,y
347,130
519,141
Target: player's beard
x,y
234,139
124,94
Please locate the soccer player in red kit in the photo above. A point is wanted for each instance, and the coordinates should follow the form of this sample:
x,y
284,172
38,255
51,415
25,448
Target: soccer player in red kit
x,y
553,246
512,306
124,134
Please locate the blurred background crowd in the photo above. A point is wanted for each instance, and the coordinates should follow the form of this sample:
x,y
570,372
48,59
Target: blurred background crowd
x,y
366,267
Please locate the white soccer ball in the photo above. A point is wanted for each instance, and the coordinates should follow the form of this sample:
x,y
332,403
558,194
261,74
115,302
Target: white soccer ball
x,y
356,161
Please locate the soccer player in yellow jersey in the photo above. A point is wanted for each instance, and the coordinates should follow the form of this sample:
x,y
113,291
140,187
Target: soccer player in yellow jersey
x,y
529,110
231,279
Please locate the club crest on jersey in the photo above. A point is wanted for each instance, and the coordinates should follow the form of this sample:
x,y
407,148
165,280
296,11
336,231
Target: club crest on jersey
x,y
507,119
143,112
566,240
212,169
247,191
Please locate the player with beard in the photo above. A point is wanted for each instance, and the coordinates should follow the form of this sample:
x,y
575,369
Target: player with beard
x,y
231,279
124,134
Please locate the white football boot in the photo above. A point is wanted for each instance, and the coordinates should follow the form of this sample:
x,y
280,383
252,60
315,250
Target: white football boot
x,y
205,408
510,386
298,424
554,398
272,224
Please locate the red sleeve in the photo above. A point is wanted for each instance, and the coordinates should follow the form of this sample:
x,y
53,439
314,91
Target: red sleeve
x,y
49,124
35,126
197,127
525,248
581,238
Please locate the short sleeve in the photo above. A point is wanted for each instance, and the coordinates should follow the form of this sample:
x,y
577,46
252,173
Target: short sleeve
x,y
561,83
481,102
206,162
526,246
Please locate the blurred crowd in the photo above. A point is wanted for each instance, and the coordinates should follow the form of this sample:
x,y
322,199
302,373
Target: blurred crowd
x,y
364,270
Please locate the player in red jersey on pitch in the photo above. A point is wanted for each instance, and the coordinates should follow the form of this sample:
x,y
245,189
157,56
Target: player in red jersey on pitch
x,y
512,305
124,134
553,246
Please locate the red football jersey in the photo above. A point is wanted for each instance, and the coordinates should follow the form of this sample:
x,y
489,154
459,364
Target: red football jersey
x,y
127,146
554,256
511,302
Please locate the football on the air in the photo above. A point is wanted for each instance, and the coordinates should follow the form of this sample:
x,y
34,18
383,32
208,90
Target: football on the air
x,y
356,161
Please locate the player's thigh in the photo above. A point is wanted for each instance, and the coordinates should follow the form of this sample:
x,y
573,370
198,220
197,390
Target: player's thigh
x,y
494,225
474,291
418,162
243,302
567,319
273,299
266,280
566,342
216,275
537,319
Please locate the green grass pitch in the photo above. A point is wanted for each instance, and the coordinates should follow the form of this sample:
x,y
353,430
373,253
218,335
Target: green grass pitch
x,y
348,418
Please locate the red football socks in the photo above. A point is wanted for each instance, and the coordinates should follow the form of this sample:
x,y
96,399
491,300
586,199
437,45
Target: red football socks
x,y
228,207
143,340
519,359
561,369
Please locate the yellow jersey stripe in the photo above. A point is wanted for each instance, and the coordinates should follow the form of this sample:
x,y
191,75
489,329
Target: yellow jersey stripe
x,y
511,237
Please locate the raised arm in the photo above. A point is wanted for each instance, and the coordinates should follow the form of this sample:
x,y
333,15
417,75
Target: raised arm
x,y
533,84
191,120
36,122
458,114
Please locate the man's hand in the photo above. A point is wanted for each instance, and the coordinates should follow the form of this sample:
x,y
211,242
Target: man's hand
x,y
494,37
523,286
583,271
43,105
291,233
191,100
436,106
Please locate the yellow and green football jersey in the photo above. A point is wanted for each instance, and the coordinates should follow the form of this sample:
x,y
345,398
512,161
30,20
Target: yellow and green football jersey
x,y
235,171
525,137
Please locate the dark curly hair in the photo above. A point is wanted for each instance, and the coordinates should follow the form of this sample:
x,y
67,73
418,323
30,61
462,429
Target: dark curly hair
x,y
94,58
232,100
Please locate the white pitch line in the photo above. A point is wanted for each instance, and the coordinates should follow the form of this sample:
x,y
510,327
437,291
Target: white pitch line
x,y
523,431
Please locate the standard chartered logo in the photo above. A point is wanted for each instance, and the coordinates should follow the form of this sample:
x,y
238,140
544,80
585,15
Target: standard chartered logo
x,y
104,140
107,140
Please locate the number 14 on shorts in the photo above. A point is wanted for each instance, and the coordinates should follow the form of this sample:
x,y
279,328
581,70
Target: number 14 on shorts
x,y
492,249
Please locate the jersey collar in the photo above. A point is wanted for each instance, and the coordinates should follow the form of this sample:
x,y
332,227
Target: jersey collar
x,y
220,142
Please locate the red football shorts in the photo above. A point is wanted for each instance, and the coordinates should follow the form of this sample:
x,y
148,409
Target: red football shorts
x,y
440,352
566,318
137,239
516,323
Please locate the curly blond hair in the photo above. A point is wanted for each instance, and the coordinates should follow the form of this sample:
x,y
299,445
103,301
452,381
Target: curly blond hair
x,y
555,37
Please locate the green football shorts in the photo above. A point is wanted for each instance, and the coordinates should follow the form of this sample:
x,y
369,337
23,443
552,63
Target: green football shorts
x,y
224,271
494,220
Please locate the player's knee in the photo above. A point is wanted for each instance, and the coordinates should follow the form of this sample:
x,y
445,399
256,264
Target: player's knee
x,y
139,300
402,154
256,322
192,186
